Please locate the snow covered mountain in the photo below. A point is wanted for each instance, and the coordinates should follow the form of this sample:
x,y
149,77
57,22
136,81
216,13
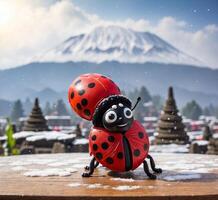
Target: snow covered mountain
x,y
114,43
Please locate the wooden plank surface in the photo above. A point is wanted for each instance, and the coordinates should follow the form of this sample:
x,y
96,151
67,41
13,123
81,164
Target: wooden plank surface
x,y
185,176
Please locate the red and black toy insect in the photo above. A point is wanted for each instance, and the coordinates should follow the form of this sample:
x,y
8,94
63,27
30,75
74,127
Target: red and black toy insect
x,y
117,141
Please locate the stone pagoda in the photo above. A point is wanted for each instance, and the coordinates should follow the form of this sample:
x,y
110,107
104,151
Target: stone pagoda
x,y
170,126
36,120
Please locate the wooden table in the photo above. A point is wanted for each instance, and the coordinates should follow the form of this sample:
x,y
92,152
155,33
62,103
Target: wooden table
x,y
185,176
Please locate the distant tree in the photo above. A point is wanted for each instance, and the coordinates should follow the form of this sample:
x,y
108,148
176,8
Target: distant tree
x,y
123,92
192,110
158,102
206,111
144,106
133,94
27,105
144,94
17,111
47,109
216,112
61,108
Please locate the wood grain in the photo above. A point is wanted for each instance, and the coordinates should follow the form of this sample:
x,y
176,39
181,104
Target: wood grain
x,y
14,185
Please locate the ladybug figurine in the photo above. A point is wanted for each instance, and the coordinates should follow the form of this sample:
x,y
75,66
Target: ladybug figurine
x,y
116,140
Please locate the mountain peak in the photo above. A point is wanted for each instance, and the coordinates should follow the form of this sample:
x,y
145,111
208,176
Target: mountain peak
x,y
115,43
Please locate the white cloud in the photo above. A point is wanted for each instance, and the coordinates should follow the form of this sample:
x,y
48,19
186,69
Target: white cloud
x,y
31,27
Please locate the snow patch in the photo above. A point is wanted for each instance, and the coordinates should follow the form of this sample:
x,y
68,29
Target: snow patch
x,y
178,177
123,179
68,162
80,141
97,185
201,142
18,168
80,166
49,172
75,184
170,148
126,187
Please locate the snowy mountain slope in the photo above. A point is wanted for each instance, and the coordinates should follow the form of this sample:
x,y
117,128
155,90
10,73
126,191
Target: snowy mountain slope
x,y
115,43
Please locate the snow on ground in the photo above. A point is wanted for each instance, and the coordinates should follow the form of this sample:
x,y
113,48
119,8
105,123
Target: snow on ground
x,y
47,135
97,186
123,179
201,142
18,168
178,177
75,184
126,187
176,167
170,148
80,141
101,186
50,135
49,172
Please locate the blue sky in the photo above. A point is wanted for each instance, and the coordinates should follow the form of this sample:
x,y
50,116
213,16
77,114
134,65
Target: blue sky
x,y
197,12
29,28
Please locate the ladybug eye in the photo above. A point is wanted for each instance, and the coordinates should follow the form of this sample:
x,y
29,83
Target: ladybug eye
x,y
127,113
110,117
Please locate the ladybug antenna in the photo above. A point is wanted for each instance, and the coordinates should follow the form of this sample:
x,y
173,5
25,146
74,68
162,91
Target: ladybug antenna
x,y
138,100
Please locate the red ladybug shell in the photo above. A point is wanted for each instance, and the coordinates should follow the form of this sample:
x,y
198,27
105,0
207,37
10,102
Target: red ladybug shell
x,y
108,148
87,91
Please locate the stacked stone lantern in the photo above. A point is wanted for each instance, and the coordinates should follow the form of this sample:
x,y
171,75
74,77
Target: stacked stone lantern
x,y
170,127
36,120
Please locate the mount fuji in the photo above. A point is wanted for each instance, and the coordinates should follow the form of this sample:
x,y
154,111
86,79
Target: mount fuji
x,y
132,59
114,43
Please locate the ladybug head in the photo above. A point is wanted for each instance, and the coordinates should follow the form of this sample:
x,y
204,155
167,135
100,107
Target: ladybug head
x,y
118,118
114,114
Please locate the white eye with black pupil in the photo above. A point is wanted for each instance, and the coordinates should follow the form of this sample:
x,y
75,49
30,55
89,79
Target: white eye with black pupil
x,y
110,117
127,113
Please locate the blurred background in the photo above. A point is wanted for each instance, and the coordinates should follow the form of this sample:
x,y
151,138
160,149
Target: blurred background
x,y
144,46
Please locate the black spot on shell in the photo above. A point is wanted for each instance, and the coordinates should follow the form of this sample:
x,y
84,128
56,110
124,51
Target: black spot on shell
x,y
77,82
84,102
141,134
81,92
111,138
95,147
120,155
91,85
145,147
99,156
94,137
110,160
136,152
79,107
103,76
87,112
72,95
104,145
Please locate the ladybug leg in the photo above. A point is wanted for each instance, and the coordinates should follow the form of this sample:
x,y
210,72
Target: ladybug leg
x,y
152,163
91,169
96,165
146,170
